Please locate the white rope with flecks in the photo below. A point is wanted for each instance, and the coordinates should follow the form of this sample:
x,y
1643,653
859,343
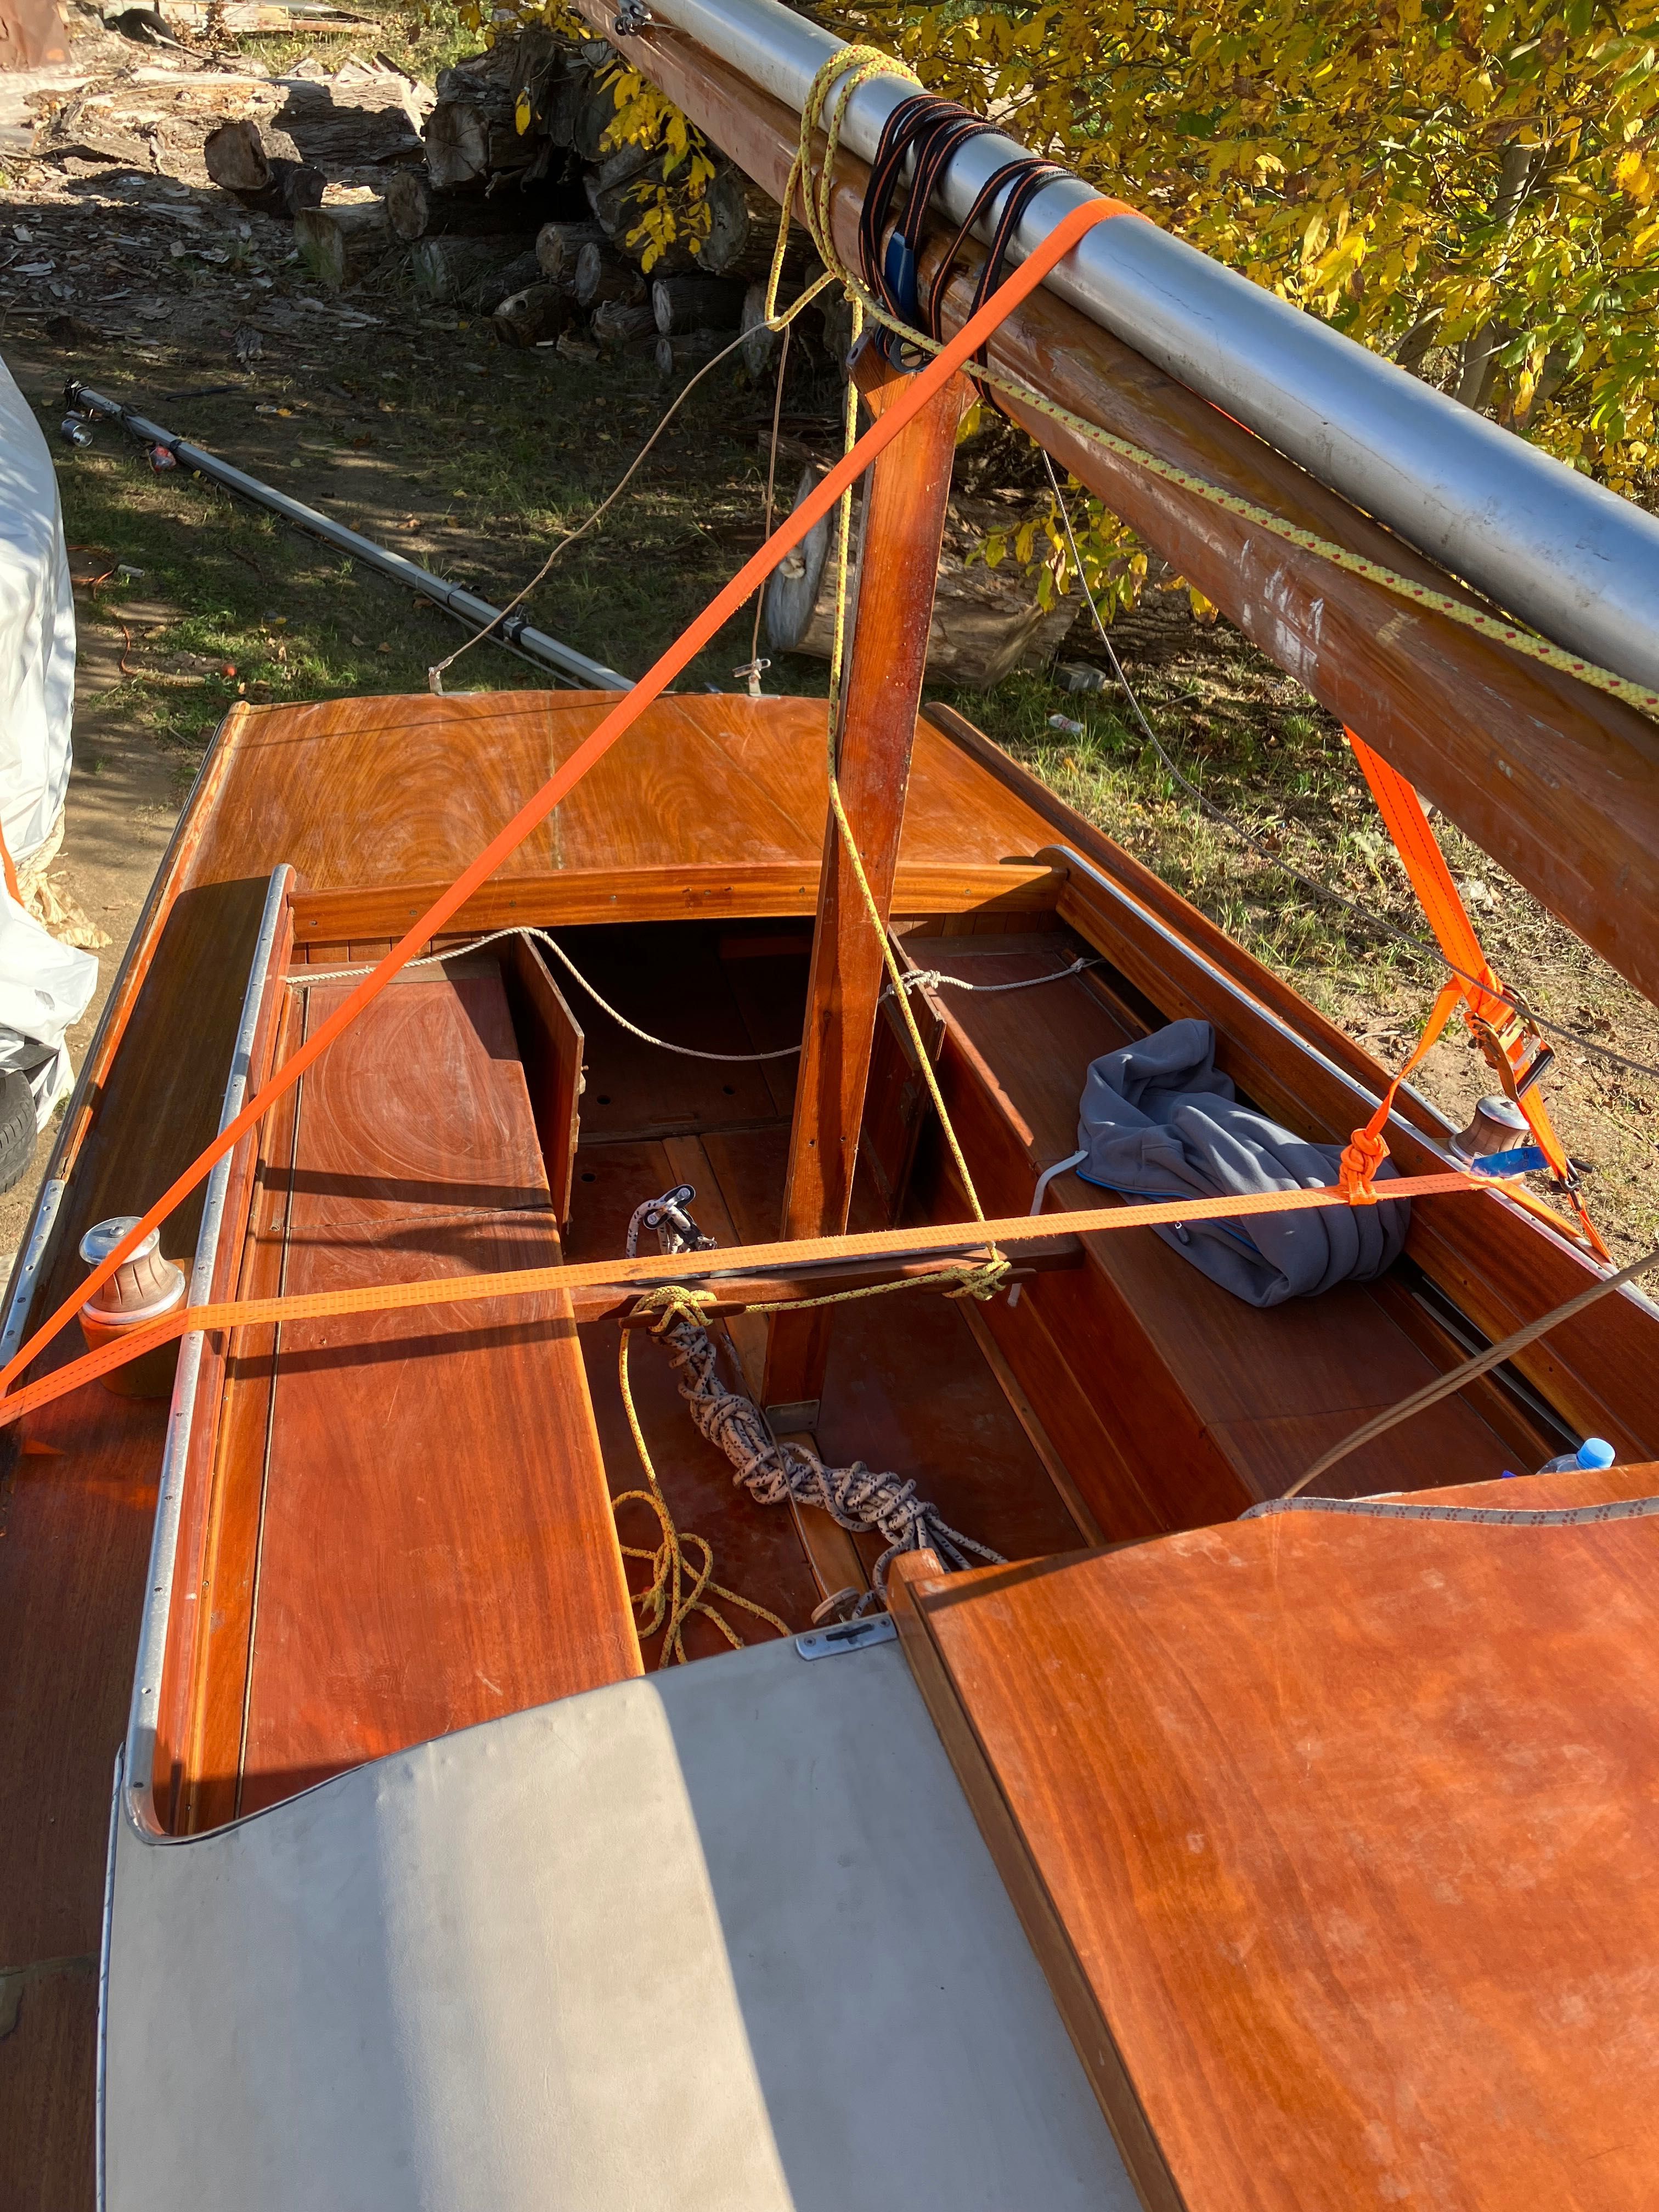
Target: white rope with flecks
x,y
773,1472
301,977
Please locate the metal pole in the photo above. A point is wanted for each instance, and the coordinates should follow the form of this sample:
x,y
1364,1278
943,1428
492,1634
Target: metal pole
x,y
513,631
1564,554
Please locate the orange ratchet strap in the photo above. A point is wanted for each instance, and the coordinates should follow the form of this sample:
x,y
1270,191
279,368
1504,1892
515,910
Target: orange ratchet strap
x,y
917,391
688,1268
1517,1055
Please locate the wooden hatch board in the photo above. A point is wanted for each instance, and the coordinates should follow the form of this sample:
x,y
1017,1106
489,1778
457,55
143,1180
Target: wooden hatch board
x,y
1335,1836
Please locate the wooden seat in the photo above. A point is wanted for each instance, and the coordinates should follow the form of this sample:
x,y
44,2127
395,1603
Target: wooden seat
x,y
1229,1403
426,1537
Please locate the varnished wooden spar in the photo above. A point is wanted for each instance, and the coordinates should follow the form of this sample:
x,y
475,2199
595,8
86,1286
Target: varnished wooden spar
x,y
902,526
1557,782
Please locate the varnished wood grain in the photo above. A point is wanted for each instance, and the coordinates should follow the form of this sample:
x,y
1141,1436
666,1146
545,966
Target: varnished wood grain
x,y
1602,1372
550,1044
1344,1828
903,523
913,1576
435,1547
691,891
1187,1377
358,794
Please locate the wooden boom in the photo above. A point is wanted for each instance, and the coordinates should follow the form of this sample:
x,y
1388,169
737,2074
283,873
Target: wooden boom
x,y
1559,782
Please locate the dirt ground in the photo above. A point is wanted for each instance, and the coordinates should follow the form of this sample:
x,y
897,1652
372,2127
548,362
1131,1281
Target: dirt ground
x,y
121,265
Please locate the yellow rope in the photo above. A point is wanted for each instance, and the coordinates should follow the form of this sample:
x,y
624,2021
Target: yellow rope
x,y
675,1591
850,67
859,63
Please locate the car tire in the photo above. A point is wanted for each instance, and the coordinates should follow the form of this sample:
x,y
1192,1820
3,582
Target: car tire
x,y
17,1130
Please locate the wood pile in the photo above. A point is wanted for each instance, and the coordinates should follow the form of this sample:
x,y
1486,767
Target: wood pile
x,y
497,194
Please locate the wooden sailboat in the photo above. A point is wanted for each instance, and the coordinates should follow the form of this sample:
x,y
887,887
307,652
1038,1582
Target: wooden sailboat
x,y
1291,1862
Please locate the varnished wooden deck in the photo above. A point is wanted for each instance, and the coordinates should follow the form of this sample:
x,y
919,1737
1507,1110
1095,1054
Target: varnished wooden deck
x,y
714,808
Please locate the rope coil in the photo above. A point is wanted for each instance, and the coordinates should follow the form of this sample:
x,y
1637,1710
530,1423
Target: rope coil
x,y
774,1473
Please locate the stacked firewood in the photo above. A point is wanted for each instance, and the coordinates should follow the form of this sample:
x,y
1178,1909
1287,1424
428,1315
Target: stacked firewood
x,y
519,211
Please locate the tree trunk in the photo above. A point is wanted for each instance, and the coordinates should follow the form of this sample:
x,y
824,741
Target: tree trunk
x,y
531,317
473,272
696,303
340,245
559,245
615,321
600,275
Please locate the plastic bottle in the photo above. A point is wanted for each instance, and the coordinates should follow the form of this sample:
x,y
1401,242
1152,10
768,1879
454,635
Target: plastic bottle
x,y
1595,1451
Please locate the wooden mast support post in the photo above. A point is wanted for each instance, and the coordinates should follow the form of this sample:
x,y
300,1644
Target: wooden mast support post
x,y
903,526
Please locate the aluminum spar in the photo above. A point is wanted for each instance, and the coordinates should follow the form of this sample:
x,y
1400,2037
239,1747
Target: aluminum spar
x,y
1556,551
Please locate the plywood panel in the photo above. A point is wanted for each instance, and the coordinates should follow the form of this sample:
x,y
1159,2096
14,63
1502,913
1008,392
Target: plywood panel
x,y
1346,1828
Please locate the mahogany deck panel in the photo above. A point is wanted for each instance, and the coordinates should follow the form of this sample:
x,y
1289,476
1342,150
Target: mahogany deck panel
x,y
1345,1829
311,783
422,1106
435,1547
76,1513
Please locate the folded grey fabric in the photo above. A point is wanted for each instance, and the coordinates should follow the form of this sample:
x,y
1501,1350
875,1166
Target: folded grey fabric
x,y
1158,1120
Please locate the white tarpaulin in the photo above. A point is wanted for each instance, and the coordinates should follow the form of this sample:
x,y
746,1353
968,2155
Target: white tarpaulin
x,y
44,986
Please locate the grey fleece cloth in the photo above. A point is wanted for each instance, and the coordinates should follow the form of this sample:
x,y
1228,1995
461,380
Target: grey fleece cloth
x,y
1158,1120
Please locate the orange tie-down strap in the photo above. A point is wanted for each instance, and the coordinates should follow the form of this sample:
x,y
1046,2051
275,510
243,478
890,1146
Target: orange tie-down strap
x,y
920,389
970,1239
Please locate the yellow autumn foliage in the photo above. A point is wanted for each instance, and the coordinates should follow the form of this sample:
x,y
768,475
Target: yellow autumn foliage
x,y
1471,187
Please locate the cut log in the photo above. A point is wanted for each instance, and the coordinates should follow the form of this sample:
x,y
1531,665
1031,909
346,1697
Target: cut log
x,y
615,321
415,209
341,245
985,621
761,343
696,303
531,317
678,357
470,140
235,156
595,112
263,169
473,272
558,245
743,230
601,276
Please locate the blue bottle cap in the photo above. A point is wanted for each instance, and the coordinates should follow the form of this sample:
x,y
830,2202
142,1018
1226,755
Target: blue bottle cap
x,y
1596,1452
